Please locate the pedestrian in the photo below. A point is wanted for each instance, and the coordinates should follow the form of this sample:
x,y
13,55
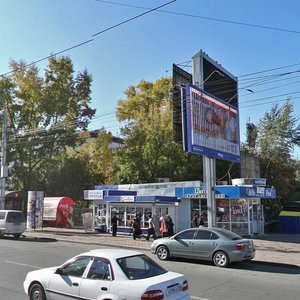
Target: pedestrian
x,y
163,228
114,224
195,220
156,223
169,225
137,232
201,221
151,229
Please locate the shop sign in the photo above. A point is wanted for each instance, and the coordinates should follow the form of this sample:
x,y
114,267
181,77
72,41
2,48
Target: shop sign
x,y
127,198
93,194
203,195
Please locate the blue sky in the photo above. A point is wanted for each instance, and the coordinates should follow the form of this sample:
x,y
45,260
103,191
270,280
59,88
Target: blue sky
x,y
258,37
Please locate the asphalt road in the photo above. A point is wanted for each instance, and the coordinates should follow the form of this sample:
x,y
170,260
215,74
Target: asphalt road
x,y
247,281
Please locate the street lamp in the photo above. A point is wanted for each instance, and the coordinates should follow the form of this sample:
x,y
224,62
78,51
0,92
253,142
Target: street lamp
x,y
3,161
248,90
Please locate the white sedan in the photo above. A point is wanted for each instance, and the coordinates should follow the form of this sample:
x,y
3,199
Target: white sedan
x,y
107,274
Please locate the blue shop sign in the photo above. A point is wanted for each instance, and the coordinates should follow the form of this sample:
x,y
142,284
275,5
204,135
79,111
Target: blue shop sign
x,y
231,192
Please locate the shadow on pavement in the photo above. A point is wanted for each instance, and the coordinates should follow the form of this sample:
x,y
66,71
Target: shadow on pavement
x,y
32,239
256,266
269,267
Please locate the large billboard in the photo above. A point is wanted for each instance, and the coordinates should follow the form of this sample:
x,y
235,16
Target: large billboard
x,y
212,125
209,75
180,79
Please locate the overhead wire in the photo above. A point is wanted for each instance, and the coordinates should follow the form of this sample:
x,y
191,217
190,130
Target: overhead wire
x,y
158,8
93,35
205,18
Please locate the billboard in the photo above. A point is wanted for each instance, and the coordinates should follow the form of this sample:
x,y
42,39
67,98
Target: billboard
x,y
212,125
214,79
179,80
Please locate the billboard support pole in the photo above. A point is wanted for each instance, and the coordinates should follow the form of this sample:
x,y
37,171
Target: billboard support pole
x,y
209,164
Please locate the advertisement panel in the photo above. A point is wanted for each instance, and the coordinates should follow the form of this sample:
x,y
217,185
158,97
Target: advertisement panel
x,y
212,125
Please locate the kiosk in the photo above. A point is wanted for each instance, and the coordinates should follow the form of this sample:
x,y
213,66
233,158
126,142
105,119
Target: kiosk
x,y
126,204
238,207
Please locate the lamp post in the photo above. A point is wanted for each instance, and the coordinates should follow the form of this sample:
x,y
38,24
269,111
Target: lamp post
x,y
248,90
3,161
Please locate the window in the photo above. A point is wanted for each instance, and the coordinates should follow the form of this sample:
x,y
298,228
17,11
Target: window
x,y
140,267
100,269
76,268
206,235
186,235
15,217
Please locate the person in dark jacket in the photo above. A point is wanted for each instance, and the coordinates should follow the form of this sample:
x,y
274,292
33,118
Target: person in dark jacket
x,y
114,224
169,225
137,232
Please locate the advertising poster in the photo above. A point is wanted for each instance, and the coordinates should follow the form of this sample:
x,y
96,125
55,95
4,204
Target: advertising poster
x,y
212,126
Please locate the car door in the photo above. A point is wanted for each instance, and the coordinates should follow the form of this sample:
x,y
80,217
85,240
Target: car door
x,y
97,281
65,282
182,244
205,242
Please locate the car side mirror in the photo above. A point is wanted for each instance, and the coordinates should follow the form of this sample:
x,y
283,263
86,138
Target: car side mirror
x,y
58,271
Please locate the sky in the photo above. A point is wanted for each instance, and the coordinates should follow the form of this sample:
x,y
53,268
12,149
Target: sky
x,y
121,42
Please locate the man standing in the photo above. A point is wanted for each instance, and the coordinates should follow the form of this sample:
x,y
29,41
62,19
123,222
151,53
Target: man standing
x,y
114,224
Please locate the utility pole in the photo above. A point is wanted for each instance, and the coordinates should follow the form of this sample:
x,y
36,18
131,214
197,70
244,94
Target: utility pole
x,y
3,161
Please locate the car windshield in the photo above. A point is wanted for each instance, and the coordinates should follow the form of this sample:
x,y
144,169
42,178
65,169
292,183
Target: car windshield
x,y
140,267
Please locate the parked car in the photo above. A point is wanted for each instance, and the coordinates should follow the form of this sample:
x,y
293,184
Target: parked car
x,y
107,274
12,222
220,246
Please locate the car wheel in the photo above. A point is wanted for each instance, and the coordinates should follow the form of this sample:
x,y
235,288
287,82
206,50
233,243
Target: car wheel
x,y
163,253
220,259
37,292
17,235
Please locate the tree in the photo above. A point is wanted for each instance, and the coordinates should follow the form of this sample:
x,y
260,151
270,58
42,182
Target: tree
x,y
277,134
149,151
44,116
97,154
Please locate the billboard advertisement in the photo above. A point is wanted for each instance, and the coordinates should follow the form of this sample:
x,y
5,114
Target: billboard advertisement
x,y
212,125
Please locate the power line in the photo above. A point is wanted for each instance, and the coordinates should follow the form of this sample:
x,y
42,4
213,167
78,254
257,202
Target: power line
x,y
133,18
90,40
205,18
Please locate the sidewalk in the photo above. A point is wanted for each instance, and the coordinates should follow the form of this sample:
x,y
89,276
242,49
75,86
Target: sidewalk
x,y
271,248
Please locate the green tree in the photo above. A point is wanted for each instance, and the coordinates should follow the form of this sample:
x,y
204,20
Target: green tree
x,y
44,116
97,154
67,176
277,137
149,151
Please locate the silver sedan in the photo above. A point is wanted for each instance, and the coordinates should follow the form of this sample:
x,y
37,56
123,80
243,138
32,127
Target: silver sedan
x,y
220,246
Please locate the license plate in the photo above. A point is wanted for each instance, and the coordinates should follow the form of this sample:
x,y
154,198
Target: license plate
x,y
174,289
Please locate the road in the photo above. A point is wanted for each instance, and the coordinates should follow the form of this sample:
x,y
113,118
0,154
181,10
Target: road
x,y
247,281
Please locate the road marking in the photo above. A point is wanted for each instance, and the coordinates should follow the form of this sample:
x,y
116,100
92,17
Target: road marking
x,y
197,298
20,264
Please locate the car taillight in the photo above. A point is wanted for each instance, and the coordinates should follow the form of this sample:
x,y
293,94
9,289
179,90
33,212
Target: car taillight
x,y
153,295
241,246
185,285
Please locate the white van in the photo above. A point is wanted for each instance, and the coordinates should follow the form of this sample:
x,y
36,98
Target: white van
x,y
12,222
